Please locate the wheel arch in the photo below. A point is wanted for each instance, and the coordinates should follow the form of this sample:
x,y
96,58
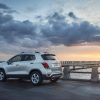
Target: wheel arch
x,y
35,70
2,69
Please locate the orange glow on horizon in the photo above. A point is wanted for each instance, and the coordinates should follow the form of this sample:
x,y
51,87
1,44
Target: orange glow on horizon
x,y
64,53
79,57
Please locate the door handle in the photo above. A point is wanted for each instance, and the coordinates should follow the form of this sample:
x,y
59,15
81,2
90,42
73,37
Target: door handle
x,y
31,63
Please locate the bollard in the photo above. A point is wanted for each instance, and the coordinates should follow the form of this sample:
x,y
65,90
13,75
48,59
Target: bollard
x,y
94,74
66,72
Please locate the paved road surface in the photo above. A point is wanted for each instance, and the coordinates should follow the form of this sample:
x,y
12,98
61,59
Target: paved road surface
x,y
63,90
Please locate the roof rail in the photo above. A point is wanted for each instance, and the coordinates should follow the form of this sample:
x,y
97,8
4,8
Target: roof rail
x,y
25,52
31,52
37,52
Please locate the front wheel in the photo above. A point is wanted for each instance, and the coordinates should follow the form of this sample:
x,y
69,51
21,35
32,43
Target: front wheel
x,y
54,80
2,75
36,78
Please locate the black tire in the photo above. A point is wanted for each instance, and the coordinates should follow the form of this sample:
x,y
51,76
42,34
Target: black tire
x,y
36,78
2,76
54,80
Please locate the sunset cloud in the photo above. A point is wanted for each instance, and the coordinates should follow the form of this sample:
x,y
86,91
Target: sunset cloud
x,y
54,29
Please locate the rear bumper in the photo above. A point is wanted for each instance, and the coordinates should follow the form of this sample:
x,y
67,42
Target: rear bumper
x,y
49,76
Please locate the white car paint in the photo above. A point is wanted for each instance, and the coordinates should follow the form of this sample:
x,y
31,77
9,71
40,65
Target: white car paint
x,y
24,67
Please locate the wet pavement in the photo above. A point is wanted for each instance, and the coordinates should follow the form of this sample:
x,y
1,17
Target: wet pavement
x,y
62,90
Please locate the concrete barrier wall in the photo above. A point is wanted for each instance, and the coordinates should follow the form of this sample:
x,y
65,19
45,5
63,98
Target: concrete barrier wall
x,y
73,67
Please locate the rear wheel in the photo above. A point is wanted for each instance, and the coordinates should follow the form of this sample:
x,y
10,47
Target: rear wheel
x,y
36,78
2,75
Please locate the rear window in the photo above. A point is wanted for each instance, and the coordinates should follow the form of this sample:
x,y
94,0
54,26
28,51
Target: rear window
x,y
48,57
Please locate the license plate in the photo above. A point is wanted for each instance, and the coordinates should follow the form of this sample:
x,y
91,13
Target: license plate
x,y
55,65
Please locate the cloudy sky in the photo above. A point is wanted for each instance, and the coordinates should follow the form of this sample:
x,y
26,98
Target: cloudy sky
x,y
68,28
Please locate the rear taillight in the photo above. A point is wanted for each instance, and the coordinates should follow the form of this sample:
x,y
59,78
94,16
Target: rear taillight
x,y
45,65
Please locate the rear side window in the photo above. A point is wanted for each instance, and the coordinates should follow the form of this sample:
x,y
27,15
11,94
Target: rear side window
x,y
48,57
28,57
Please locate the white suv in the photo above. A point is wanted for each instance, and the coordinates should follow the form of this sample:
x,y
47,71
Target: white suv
x,y
35,66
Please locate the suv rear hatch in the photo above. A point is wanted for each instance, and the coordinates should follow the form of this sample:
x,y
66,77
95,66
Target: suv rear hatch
x,y
51,60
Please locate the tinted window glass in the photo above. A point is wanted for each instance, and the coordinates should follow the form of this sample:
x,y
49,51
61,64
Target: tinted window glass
x,y
48,57
28,57
15,59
